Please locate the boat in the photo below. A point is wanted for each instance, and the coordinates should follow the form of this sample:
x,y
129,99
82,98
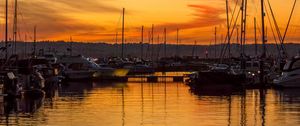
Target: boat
x,y
139,68
50,57
290,77
80,67
219,74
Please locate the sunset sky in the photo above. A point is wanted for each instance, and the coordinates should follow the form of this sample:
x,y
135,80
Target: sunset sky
x,y
99,20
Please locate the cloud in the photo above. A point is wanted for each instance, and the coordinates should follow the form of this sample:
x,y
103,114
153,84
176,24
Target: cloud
x,y
88,6
58,19
52,19
204,16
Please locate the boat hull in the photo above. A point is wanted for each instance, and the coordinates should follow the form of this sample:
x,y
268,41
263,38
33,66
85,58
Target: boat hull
x,y
220,78
78,75
288,83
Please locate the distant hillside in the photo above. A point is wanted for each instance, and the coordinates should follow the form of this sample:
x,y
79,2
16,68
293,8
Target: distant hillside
x,y
105,50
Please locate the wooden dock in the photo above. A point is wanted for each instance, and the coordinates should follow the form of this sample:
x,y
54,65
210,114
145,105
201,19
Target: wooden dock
x,y
143,78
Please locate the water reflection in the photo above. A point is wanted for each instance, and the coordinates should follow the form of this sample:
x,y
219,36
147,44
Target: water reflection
x,y
19,111
256,107
165,103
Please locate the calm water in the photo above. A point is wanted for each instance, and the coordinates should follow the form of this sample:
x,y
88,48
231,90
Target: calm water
x,y
172,104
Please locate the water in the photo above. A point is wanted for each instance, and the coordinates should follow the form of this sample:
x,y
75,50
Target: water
x,y
159,104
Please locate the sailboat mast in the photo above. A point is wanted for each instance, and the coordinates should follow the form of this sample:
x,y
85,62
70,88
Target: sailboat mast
x,y
6,29
142,42
263,56
255,37
34,41
152,43
158,48
242,28
194,48
245,23
116,39
25,46
263,29
71,46
15,28
243,33
116,45
165,42
123,25
215,42
228,29
177,42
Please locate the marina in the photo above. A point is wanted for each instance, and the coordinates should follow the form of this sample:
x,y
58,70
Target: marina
x,y
166,73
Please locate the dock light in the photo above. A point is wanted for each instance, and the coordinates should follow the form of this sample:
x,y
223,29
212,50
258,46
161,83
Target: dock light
x,y
258,72
253,74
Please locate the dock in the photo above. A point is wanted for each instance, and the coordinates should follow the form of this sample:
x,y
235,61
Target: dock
x,y
144,78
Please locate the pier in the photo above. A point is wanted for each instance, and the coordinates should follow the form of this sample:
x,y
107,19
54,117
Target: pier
x,y
144,78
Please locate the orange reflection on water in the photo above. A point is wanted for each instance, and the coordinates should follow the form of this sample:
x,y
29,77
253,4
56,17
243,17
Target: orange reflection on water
x,y
171,104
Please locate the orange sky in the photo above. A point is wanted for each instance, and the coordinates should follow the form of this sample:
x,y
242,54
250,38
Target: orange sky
x,y
99,20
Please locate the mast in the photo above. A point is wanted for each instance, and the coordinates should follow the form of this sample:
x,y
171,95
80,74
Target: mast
x,y
71,46
15,28
148,52
158,48
165,42
152,42
263,56
6,29
25,45
243,32
142,42
177,43
237,35
194,48
123,25
116,48
34,41
245,25
215,42
255,37
286,29
228,28
242,28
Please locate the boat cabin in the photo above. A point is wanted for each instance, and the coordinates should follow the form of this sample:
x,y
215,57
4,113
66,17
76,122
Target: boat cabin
x,y
292,65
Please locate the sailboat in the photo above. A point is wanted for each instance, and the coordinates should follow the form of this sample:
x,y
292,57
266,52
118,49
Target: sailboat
x,y
290,76
220,74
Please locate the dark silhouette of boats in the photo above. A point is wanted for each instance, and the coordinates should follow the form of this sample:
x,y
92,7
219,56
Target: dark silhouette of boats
x,y
218,75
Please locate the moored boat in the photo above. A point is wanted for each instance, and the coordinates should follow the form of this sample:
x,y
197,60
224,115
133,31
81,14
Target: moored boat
x,y
290,76
80,67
